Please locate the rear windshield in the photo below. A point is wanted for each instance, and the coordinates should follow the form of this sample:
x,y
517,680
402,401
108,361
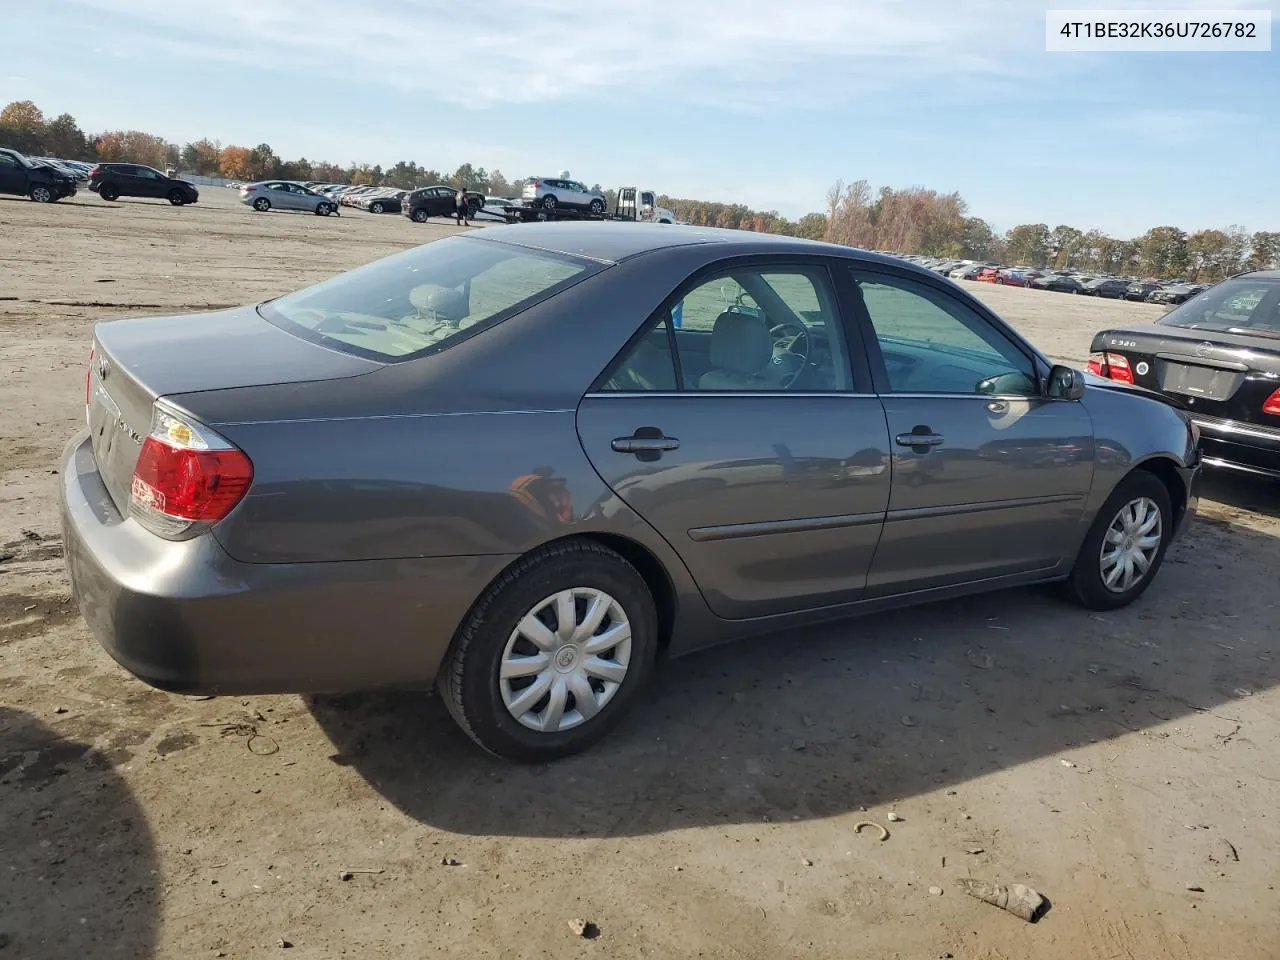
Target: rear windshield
x,y
425,299
1233,306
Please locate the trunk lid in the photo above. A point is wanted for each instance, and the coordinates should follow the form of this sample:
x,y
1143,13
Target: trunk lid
x,y
1211,373
136,361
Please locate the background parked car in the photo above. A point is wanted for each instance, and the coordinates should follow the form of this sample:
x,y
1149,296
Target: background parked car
x,y
24,178
437,201
111,181
552,192
1057,282
1109,287
285,195
384,203
1177,292
1140,290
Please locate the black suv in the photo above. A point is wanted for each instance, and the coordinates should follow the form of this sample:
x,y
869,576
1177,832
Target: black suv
x,y
111,181
438,201
26,178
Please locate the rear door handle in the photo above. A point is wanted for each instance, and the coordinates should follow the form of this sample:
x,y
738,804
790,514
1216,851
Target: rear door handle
x,y
918,440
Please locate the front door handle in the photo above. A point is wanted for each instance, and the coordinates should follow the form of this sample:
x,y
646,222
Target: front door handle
x,y
647,443
918,440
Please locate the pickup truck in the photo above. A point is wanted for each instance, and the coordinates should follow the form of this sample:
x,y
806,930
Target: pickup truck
x,y
26,178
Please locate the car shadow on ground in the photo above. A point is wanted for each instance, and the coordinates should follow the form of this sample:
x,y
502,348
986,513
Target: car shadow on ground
x,y
74,845
820,722
1240,490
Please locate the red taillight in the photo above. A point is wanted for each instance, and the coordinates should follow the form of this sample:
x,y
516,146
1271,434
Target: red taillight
x,y
248,189
186,474
1272,406
1113,366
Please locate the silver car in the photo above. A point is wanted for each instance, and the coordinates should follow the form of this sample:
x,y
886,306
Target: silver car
x,y
549,193
285,195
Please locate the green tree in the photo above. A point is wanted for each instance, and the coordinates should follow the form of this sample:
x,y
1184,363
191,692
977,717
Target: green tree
x,y
1208,255
64,139
1064,246
263,162
978,240
1162,252
1265,252
812,226
1028,244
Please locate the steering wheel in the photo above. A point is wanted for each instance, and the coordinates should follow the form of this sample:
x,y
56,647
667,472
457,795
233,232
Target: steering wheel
x,y
791,349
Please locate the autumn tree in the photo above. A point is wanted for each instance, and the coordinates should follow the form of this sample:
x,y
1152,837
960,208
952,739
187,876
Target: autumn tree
x,y
22,127
233,163
132,146
812,226
977,239
201,157
1208,253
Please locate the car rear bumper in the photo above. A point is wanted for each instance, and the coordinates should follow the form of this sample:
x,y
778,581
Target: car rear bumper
x,y
1243,447
184,616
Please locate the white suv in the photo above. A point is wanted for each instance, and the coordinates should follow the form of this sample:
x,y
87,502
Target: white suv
x,y
552,192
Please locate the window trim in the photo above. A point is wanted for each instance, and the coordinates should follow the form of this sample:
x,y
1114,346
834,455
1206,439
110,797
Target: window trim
x,y
1040,365
858,370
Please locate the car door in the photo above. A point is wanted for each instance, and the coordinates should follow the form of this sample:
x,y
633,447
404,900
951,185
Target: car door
x,y
989,475
282,197
13,177
740,426
149,183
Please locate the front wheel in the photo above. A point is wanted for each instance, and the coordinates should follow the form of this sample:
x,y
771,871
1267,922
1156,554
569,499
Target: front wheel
x,y
42,194
549,202
553,654
597,207
1125,545
419,215
323,210
262,204
177,198
375,208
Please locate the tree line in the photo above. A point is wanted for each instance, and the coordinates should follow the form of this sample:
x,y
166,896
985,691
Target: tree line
x,y
910,220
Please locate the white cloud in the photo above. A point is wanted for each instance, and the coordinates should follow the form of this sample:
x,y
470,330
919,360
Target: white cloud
x,y
740,54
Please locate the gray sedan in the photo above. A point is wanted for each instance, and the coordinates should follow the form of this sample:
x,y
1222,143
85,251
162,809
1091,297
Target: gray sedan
x,y
285,195
526,463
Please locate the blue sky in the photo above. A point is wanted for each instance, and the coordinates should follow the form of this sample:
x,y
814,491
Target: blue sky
x,y
763,103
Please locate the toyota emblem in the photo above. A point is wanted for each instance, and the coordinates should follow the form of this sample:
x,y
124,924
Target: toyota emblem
x,y
1203,348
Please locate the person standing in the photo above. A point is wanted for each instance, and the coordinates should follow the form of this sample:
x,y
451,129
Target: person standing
x,y
462,210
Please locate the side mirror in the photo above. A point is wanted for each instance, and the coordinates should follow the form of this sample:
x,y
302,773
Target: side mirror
x,y
1065,383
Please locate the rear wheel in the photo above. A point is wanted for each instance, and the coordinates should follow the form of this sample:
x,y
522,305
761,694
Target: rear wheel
x,y
553,654
375,208
42,194
177,197
549,201
419,215
1125,546
108,192
262,204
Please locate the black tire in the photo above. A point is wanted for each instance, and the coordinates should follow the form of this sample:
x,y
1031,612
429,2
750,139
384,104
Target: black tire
x,y
42,193
262,204
468,679
549,202
177,197
419,215
473,207
1085,584
323,210
108,192
375,208
597,207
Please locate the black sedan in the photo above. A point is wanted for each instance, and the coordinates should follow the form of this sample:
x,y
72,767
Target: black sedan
x,y
438,201
1177,293
1059,283
1110,289
1140,290
524,462
1217,356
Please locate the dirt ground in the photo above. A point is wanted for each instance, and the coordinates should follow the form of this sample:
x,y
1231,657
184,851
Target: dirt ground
x,y
1112,762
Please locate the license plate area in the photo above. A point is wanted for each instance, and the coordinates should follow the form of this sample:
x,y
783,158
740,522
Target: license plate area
x,y
104,420
1208,383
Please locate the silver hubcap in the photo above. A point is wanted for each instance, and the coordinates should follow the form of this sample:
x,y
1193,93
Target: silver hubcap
x,y
1130,545
565,660
41,194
